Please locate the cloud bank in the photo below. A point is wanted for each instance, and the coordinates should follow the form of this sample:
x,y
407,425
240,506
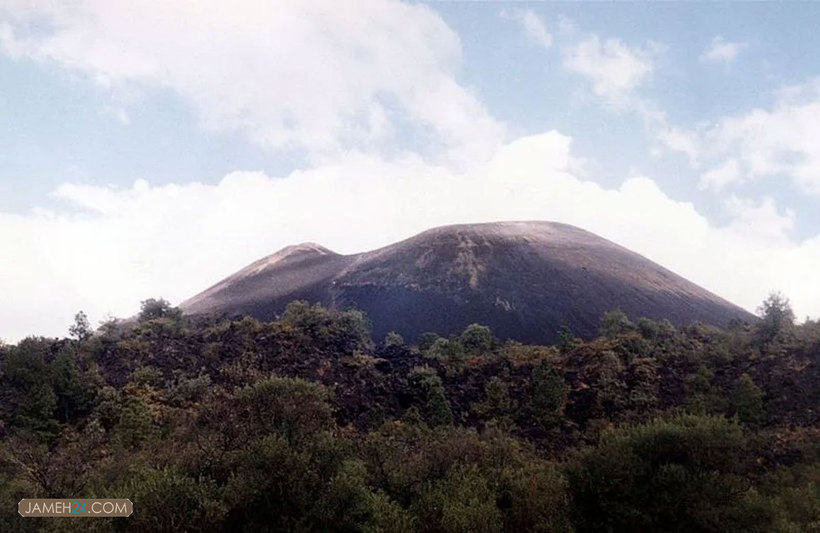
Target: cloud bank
x,y
396,145
779,143
124,245
298,75
775,144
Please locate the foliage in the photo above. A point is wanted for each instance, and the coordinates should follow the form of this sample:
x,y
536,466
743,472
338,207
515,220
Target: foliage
x,y
476,339
155,308
81,328
447,350
430,390
393,339
777,318
747,401
497,405
548,393
347,331
462,501
681,474
426,340
566,339
305,424
614,323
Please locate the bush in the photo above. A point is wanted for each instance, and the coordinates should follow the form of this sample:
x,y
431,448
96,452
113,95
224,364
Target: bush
x,y
460,502
429,389
167,500
747,401
153,308
477,339
682,474
615,323
548,393
393,339
447,350
346,331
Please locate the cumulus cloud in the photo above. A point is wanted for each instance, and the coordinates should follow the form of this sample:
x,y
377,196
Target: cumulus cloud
x,y
290,75
776,144
532,25
717,178
614,68
780,142
115,247
760,220
666,134
341,85
722,52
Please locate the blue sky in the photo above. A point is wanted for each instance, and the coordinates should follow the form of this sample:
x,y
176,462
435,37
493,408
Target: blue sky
x,y
150,148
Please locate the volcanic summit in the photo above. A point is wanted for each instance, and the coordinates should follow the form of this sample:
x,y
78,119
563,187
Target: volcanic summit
x,y
522,279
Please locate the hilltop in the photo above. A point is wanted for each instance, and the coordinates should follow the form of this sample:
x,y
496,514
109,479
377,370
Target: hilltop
x,y
523,279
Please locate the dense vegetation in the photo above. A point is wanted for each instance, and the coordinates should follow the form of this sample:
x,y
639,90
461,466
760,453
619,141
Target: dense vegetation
x,y
307,424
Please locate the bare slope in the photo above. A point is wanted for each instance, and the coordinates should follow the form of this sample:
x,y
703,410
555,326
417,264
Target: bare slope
x,y
523,279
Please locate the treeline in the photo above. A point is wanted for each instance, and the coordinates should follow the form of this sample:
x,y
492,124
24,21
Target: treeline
x,y
308,424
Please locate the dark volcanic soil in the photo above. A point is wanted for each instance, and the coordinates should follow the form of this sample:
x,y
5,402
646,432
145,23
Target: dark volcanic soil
x,y
523,279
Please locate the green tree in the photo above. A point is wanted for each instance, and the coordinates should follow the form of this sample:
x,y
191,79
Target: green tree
x,y
548,393
648,328
477,339
497,404
169,500
314,486
81,328
777,318
154,308
611,391
677,475
346,331
701,396
447,350
426,340
393,339
291,407
747,401
566,338
430,390
353,330
462,501
135,426
615,323
27,398
535,498
73,390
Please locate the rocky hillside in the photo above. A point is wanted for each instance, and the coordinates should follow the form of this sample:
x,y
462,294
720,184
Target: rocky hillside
x,y
523,279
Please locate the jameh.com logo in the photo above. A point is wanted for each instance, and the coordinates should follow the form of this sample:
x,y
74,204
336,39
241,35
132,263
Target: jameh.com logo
x,y
103,508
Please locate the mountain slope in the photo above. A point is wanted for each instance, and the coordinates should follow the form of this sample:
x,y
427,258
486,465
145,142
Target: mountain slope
x,y
523,279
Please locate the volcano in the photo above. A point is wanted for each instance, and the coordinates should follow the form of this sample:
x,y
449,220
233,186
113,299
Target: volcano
x,y
522,279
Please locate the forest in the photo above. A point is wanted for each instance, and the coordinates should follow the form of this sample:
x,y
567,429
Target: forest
x,y
306,423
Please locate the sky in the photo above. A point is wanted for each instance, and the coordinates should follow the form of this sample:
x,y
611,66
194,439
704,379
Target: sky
x,y
149,148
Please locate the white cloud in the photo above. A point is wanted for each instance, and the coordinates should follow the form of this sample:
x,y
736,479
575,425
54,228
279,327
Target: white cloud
x,y
175,240
721,51
677,139
760,221
776,144
339,82
532,25
293,75
719,177
117,113
614,68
